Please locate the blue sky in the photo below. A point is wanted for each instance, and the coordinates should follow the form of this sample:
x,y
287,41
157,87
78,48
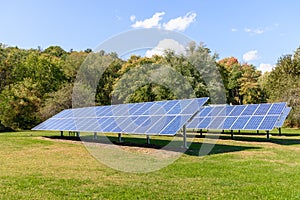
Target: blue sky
x,y
257,32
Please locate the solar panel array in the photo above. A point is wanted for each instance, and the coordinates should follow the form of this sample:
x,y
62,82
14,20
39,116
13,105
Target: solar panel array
x,y
239,117
282,118
151,118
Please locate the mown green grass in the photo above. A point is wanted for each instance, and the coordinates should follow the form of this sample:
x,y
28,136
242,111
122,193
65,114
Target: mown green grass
x,y
248,167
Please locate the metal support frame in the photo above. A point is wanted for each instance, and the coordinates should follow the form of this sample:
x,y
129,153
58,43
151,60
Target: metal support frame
x,y
120,137
223,131
257,131
279,130
61,133
231,132
95,136
184,137
77,134
201,133
148,139
268,135
239,131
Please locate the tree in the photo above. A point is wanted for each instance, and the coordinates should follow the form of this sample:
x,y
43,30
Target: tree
x,y
283,84
19,104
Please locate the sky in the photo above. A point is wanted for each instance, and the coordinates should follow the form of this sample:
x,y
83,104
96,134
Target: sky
x,y
257,32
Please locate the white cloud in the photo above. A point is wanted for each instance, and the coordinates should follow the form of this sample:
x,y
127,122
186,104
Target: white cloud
x,y
255,31
265,67
250,55
234,30
150,22
166,44
180,23
132,18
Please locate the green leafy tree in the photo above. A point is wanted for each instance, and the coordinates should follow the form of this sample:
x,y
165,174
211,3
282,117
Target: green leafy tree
x,y
19,104
283,83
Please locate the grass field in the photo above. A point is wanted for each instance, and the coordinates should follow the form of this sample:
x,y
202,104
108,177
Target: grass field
x,y
33,166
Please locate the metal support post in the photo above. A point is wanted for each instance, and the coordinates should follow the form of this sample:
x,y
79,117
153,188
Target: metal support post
x,y
119,137
201,133
257,131
279,129
95,136
61,133
268,135
77,134
231,132
148,139
184,137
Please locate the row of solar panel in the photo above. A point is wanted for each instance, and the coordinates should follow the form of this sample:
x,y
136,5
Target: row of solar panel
x,y
168,119
282,118
239,117
235,123
185,106
242,110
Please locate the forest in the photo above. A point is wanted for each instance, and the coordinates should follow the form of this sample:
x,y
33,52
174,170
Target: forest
x,y
37,83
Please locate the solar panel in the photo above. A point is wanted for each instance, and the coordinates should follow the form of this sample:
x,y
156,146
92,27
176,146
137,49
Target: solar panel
x,y
237,110
254,123
238,117
268,123
262,109
282,118
160,117
277,108
240,123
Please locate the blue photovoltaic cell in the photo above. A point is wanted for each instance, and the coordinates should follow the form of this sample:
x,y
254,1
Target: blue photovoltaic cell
x,y
143,109
216,111
174,125
204,123
100,110
254,123
228,110
250,109
277,108
162,122
268,123
216,122
148,123
190,108
204,112
195,122
282,118
240,123
228,122
262,109
237,110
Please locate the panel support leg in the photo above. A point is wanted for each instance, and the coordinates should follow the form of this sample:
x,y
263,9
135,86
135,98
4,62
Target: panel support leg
x,y
268,135
257,131
95,136
119,137
239,131
223,131
61,133
201,133
231,133
77,134
279,129
184,137
148,139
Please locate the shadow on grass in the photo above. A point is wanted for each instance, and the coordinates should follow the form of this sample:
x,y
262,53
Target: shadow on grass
x,y
247,138
176,146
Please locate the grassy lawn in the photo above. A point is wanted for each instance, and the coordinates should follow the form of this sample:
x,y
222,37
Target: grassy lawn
x,y
33,166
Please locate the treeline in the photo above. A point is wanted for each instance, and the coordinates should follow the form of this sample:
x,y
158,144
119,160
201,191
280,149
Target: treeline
x,y
36,84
